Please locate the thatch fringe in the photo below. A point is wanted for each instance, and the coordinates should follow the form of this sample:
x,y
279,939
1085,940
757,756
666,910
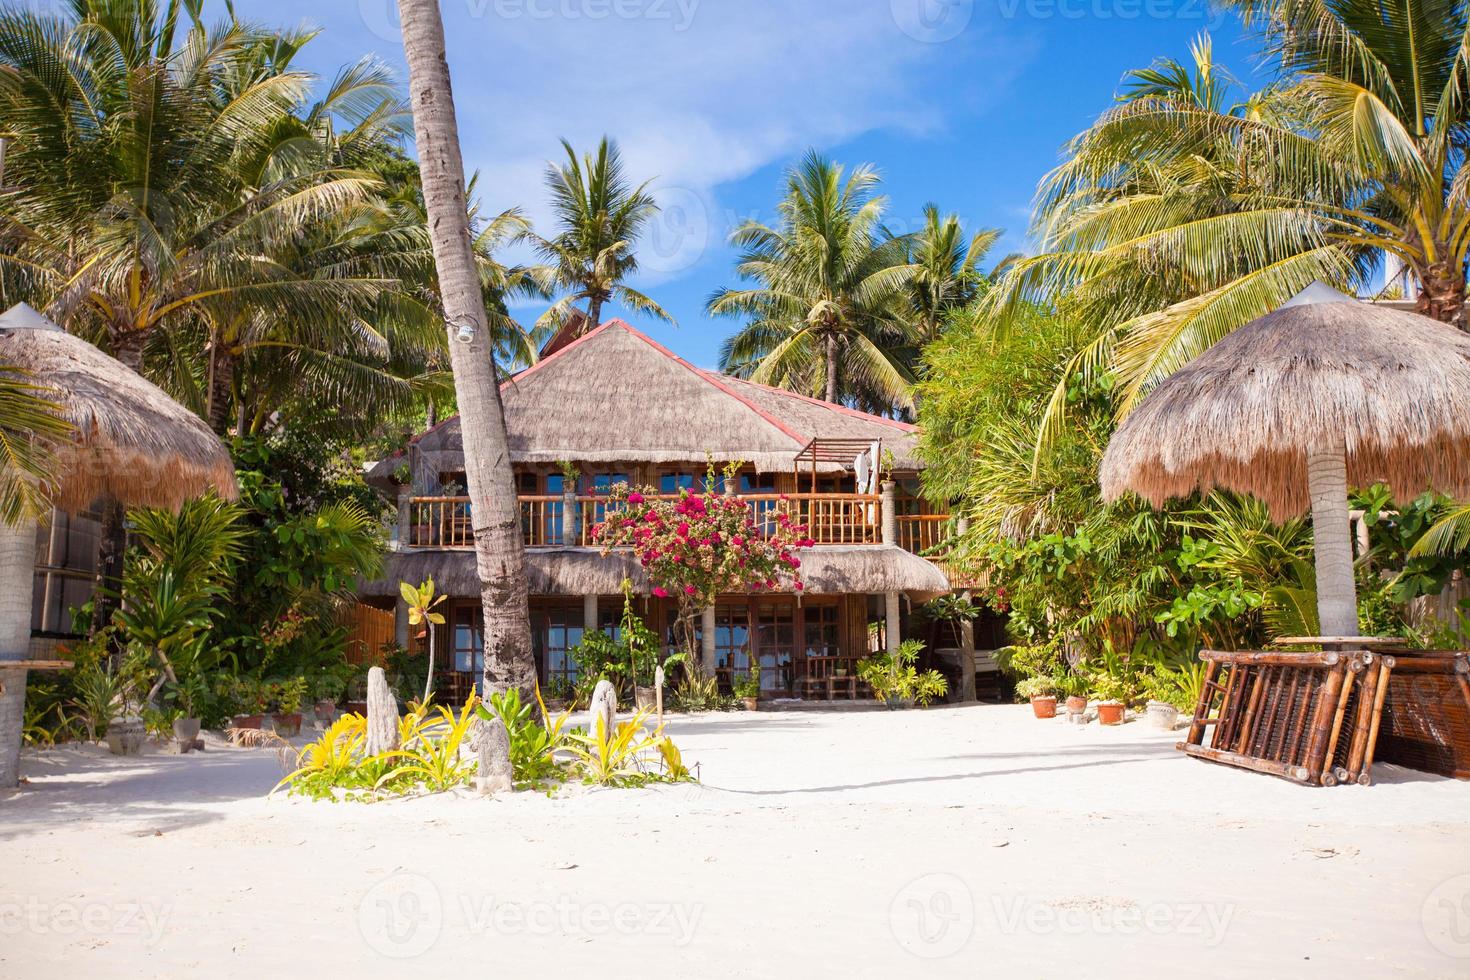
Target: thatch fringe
x,y
1244,414
864,570
133,442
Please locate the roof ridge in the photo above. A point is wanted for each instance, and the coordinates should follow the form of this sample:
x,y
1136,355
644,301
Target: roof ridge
x,y
714,381
840,409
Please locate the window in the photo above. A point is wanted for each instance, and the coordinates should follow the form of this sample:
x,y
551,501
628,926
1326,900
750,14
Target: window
x,y
823,634
468,640
672,481
558,632
601,484
66,570
732,638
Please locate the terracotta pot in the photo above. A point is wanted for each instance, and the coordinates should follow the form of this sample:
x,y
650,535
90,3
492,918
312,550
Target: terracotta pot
x,y
1110,712
287,725
1076,705
1044,706
247,721
326,711
752,704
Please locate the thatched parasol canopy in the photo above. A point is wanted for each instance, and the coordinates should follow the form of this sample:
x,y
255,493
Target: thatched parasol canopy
x,y
1295,407
133,442
1390,386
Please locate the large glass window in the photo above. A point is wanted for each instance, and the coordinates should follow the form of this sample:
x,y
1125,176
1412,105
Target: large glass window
x,y
559,630
468,640
672,481
775,644
823,630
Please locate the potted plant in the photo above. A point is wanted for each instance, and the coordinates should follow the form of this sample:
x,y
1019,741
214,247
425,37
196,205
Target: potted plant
x,y
747,686
254,697
1042,692
1114,693
1170,692
287,718
896,680
189,694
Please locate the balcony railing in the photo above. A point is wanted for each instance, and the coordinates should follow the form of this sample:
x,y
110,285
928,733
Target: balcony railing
x,y
568,521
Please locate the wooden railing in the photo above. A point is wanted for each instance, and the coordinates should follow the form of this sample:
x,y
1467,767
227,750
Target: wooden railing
x,y
920,533
830,519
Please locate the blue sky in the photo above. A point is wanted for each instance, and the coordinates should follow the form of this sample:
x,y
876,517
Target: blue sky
x,y
962,102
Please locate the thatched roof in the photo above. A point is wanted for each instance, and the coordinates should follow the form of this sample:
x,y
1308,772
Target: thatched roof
x,y
580,571
133,442
615,396
1244,414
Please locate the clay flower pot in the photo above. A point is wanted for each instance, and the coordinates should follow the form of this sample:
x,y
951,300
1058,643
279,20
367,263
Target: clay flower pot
x,y
1162,715
1044,705
247,721
1076,705
1110,712
287,725
752,704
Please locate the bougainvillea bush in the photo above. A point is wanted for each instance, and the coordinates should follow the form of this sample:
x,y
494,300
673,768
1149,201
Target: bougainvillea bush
x,y
699,546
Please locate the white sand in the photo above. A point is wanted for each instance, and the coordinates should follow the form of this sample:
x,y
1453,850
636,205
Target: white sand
x,y
954,842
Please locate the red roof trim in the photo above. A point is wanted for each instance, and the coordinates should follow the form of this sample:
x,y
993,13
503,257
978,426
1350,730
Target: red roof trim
x,y
718,382
840,409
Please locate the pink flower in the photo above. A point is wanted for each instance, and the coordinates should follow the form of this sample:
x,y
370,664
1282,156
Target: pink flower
x,y
683,529
635,498
738,541
690,590
798,586
661,592
652,517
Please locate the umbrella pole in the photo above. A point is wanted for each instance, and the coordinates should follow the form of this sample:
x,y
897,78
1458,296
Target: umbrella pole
x,y
1337,600
17,579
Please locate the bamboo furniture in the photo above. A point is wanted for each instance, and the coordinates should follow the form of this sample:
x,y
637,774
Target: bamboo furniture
x,y
1322,717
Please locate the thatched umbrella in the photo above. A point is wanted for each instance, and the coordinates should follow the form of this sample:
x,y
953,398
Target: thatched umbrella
x,y
1295,407
132,443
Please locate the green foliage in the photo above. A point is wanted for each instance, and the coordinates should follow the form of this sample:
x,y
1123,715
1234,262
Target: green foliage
x,y
30,424
621,758
747,685
895,676
533,745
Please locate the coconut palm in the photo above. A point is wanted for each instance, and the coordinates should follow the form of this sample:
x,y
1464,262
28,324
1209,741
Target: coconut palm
x,y
947,274
1179,216
600,216
826,313
29,421
499,549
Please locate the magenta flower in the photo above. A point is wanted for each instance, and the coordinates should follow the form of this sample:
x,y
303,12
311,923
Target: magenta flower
x,y
690,590
635,498
661,592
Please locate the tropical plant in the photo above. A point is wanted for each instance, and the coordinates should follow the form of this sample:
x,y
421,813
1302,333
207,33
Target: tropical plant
x,y
29,423
946,269
1180,216
599,215
895,676
331,761
747,686
101,690
826,312
533,745
421,601
620,758
430,750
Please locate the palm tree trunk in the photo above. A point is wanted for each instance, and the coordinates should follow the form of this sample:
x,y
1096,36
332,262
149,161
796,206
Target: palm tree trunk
x,y
499,548
1337,602
112,535
221,381
832,368
1442,294
17,576
594,314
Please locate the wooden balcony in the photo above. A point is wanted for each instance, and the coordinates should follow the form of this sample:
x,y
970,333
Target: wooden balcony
x,y
567,521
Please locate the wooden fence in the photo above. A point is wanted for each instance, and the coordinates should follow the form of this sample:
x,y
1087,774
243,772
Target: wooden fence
x,y
369,630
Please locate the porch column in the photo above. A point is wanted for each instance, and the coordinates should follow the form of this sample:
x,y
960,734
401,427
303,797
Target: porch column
x,y
400,623
890,513
967,656
892,628
589,613
569,521
707,639
17,579
405,515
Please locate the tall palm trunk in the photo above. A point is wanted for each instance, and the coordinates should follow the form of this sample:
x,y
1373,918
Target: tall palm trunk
x,y
1337,603
832,367
594,314
112,534
1442,293
17,575
221,385
499,548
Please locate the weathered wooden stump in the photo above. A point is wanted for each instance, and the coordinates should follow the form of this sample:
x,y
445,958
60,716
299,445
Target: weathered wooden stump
x,y
491,743
382,714
604,706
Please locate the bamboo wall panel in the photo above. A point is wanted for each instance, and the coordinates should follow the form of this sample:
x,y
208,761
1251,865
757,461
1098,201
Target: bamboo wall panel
x,y
368,631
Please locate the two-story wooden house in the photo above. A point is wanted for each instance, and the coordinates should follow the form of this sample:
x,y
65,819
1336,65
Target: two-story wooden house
x,y
615,406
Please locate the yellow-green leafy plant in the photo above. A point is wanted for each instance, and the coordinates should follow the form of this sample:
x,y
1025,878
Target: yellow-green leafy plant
x,y
431,753
331,761
422,601
627,756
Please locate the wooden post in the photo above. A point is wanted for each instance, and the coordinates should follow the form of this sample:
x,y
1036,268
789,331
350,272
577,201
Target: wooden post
x,y
1322,720
590,614
967,656
570,524
890,513
707,651
892,623
405,516
382,714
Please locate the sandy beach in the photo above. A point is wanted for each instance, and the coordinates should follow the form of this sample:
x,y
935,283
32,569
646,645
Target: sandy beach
x,y
970,841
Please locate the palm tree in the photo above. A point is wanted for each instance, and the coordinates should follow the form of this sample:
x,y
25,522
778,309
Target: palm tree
x,y
29,422
947,274
1179,216
826,313
499,548
600,216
